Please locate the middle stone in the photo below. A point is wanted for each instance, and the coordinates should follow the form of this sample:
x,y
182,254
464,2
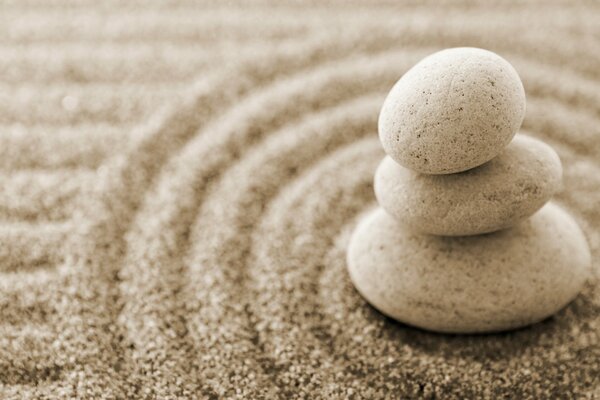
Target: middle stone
x,y
493,196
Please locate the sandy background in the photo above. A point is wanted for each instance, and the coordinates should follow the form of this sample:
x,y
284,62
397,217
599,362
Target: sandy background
x,y
179,181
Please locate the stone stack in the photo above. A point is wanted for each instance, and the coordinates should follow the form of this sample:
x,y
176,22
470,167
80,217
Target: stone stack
x,y
465,240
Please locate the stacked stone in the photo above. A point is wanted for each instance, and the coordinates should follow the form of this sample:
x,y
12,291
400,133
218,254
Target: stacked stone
x,y
465,240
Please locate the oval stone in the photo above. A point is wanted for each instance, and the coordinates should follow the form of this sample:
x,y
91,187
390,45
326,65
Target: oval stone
x,y
485,283
453,111
493,196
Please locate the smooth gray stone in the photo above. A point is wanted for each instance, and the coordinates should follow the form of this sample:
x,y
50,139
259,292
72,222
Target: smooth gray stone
x,y
493,196
484,283
453,111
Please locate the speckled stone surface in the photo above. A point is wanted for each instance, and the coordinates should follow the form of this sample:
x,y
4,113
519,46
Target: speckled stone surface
x,y
454,110
495,195
485,283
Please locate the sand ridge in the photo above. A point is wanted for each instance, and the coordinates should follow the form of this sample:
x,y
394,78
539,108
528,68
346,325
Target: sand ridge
x,y
183,233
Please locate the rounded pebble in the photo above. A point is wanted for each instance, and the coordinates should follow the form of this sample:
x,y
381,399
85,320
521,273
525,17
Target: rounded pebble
x,y
454,110
485,283
493,196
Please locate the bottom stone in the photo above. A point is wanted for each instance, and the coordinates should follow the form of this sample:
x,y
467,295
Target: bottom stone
x,y
484,283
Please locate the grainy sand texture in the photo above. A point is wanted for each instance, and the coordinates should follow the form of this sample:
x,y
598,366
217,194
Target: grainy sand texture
x,y
179,181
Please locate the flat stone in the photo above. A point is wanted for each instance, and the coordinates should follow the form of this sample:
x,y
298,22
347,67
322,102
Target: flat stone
x,y
493,196
453,111
484,283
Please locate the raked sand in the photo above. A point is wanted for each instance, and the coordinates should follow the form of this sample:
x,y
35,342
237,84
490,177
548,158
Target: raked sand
x,y
179,182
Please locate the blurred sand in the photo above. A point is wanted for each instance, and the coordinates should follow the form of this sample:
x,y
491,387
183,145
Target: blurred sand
x,y
179,182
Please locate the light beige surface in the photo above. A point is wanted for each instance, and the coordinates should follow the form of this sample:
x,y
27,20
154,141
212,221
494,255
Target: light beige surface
x,y
493,196
484,283
179,181
453,111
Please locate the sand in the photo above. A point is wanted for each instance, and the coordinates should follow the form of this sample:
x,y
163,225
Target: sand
x,y
179,183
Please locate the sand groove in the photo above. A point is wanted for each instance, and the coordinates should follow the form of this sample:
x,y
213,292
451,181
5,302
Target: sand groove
x,y
243,211
280,236
204,253
30,246
43,148
42,195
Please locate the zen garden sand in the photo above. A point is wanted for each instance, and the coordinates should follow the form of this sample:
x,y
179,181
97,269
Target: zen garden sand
x,y
181,180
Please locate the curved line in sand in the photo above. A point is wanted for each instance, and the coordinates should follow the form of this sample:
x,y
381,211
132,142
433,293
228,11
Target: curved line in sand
x,y
178,219
293,228
241,208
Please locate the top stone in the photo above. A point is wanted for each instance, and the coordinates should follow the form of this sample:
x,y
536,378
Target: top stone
x,y
454,110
